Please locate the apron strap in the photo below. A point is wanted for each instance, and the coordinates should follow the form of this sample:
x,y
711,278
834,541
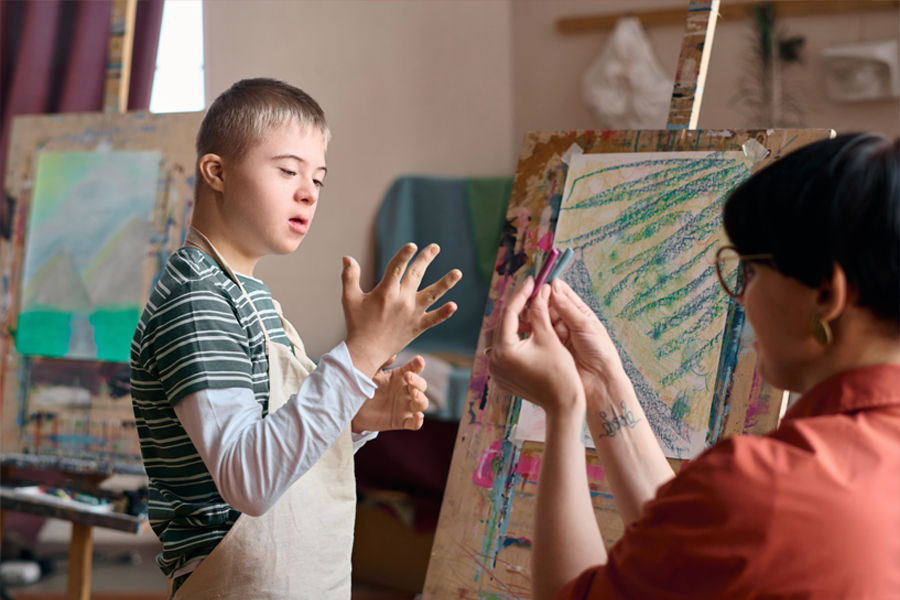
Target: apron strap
x,y
196,239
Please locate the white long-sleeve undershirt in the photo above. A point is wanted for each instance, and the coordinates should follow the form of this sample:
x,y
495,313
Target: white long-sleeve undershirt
x,y
253,460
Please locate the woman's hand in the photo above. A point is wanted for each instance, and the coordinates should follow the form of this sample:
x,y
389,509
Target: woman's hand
x,y
398,402
538,368
596,357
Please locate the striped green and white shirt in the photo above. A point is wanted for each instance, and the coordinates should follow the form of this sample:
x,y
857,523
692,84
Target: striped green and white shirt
x,y
199,334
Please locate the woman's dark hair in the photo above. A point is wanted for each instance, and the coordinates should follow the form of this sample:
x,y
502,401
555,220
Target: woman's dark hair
x,y
834,201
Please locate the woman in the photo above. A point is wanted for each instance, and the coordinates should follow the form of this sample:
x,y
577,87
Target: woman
x,y
809,511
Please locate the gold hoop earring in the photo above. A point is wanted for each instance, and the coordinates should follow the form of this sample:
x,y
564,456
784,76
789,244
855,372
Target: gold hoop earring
x,y
821,330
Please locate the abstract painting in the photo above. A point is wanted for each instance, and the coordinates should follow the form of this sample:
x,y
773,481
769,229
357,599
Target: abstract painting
x,y
88,230
645,228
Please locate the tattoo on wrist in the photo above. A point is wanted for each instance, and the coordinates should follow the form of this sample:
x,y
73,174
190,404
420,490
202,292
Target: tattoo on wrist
x,y
612,425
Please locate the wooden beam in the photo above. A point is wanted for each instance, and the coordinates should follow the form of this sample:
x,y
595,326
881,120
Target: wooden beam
x,y
81,556
730,12
118,57
693,62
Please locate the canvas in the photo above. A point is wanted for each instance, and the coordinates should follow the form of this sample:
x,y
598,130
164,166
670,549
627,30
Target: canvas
x,y
87,239
645,228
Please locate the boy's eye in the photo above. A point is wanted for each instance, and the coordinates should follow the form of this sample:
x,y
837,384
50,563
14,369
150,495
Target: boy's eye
x,y
319,183
288,172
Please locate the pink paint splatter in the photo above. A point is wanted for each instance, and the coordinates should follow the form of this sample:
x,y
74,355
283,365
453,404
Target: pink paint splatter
x,y
528,467
484,471
546,242
596,472
754,410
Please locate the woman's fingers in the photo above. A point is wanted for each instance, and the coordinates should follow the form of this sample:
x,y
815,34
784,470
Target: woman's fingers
x,y
540,312
509,319
564,303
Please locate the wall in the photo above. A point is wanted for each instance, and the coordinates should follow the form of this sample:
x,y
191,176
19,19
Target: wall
x,y
450,88
407,87
547,66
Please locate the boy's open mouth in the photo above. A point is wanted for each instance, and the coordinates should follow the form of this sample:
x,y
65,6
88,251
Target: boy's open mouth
x,y
299,224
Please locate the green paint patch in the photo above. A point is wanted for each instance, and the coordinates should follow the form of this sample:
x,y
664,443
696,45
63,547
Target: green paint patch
x,y
113,330
680,408
43,333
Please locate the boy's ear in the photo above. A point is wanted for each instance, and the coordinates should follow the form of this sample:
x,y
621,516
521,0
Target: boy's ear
x,y
212,168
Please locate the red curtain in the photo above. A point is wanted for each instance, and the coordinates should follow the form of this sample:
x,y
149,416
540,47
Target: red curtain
x,y
53,58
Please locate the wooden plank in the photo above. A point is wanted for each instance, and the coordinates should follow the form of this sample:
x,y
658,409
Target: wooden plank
x,y
693,63
730,12
482,546
68,511
118,59
81,556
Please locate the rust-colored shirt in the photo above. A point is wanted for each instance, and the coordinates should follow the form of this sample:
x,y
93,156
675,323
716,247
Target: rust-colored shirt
x,y
809,511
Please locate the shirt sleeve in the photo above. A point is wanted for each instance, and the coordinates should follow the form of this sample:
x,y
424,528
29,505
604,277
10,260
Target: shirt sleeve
x,y
703,536
194,342
254,460
360,439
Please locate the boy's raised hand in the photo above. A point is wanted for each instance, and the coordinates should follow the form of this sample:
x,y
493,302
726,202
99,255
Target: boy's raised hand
x,y
398,402
382,322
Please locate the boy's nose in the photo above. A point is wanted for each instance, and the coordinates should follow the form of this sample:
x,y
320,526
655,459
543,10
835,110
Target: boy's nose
x,y
308,193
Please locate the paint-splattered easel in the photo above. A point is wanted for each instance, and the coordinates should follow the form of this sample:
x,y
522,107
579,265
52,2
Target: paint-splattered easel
x,y
482,547
110,130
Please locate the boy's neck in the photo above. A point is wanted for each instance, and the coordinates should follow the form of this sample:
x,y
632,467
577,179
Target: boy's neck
x,y
216,232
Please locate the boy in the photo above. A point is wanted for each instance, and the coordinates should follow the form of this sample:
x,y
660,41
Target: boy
x,y
241,434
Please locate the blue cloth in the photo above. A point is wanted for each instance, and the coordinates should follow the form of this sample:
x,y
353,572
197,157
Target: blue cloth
x,y
429,210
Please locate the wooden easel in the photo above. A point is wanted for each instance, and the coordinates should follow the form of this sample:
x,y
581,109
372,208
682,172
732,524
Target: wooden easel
x,y
483,539
122,24
118,77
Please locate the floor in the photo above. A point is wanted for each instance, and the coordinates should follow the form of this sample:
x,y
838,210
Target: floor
x,y
124,569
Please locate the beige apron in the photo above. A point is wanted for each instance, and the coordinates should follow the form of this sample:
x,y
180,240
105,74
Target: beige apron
x,y
300,548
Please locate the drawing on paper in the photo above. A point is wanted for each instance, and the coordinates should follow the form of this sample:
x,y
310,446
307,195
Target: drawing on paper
x,y
89,226
645,228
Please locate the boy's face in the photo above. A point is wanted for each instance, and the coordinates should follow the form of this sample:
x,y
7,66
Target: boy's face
x,y
270,196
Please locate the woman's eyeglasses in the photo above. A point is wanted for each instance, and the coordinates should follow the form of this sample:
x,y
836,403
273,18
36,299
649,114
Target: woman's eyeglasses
x,y
731,268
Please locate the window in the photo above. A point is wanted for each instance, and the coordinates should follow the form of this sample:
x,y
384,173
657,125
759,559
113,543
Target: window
x,y
178,84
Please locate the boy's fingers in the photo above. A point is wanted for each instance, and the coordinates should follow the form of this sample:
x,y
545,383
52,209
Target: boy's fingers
x,y
350,277
417,268
433,292
413,366
397,266
436,317
419,402
415,382
414,423
389,362
509,320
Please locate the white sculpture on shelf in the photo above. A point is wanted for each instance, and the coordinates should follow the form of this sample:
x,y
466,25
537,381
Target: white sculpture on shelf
x,y
626,86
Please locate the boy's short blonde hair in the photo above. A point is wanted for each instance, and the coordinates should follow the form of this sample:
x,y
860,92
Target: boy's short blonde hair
x,y
244,114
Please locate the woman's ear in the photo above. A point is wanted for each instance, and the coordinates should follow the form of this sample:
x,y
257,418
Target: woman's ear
x,y
212,170
832,297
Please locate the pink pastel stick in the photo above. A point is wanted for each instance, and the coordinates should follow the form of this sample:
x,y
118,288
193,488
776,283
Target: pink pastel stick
x,y
545,271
